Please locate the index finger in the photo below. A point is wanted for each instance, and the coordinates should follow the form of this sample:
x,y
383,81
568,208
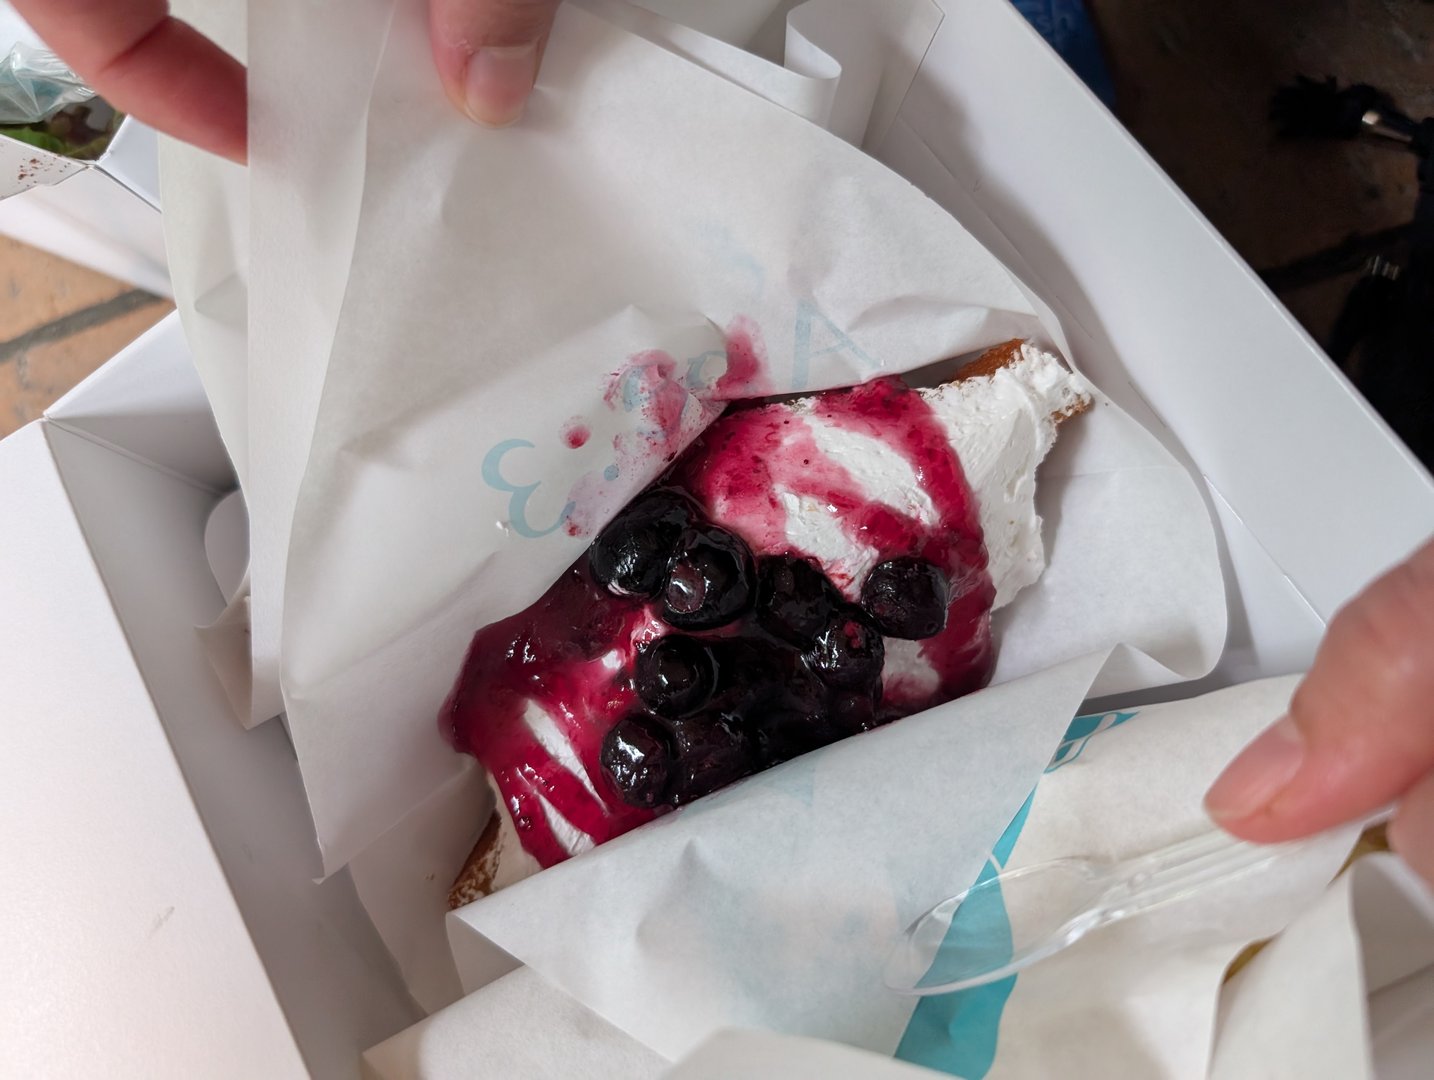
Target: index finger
x,y
152,66
1360,729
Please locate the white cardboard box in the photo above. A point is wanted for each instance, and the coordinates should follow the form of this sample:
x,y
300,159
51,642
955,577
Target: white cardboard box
x,y
164,923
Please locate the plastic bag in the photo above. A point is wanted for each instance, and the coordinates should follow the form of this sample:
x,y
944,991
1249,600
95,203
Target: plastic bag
x,y
35,84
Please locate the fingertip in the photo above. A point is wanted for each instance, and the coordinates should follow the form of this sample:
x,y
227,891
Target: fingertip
x,y
497,82
487,54
1253,781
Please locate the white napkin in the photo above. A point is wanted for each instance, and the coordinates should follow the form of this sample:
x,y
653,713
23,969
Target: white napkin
x,y
773,904
517,1027
1137,998
1345,992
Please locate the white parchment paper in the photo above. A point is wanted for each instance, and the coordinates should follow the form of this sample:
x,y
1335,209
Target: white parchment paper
x,y
1345,992
774,903
846,59
505,284
1137,998
777,906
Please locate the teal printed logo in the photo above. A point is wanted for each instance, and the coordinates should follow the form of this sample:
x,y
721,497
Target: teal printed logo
x,y
814,336
521,493
830,339
957,1033
1081,731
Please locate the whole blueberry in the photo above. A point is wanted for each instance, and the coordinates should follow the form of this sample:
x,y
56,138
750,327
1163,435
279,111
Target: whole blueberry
x,y
794,599
849,653
851,714
637,755
752,672
630,557
675,675
786,732
907,598
709,579
711,750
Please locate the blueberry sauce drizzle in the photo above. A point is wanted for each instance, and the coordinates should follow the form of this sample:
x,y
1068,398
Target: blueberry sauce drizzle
x,y
571,654
738,465
558,654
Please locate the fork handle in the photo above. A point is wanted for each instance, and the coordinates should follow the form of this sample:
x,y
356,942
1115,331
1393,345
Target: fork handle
x,y
1205,859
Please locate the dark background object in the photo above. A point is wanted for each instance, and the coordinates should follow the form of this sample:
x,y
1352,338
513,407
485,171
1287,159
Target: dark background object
x,y
1193,82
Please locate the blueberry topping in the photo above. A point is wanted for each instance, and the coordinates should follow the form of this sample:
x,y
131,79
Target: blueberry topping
x,y
630,557
803,691
907,598
709,580
794,599
637,755
849,652
675,675
783,733
853,713
752,672
712,751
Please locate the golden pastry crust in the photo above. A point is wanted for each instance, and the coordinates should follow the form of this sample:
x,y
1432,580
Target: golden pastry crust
x,y
475,880
1004,355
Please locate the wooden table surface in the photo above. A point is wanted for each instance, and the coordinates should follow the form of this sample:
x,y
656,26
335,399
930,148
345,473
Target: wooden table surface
x,y
58,322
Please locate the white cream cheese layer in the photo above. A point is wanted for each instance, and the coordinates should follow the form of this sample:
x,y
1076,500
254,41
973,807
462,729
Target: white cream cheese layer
x,y
1001,426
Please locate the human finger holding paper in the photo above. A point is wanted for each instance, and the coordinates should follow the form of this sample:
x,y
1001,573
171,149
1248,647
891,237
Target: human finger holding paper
x,y
149,64
1360,730
487,52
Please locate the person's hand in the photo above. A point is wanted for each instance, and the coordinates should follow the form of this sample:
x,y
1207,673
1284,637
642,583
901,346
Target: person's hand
x,y
1360,729
149,65
154,67
488,52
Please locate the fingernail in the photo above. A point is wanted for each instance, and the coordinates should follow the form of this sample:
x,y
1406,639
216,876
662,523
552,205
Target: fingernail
x,y
1262,770
498,81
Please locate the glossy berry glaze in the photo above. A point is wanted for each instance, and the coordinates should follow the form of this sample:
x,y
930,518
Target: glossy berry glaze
x,y
567,654
572,654
743,461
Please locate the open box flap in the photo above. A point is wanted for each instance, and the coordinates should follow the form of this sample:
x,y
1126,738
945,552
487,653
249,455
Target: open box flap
x,y
23,167
125,929
330,974
136,466
95,222
148,403
132,160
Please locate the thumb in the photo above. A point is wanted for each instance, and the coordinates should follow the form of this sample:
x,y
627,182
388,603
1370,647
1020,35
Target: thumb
x,y
1360,729
487,52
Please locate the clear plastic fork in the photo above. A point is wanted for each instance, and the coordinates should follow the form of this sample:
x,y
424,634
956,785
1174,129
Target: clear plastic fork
x,y
1013,919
